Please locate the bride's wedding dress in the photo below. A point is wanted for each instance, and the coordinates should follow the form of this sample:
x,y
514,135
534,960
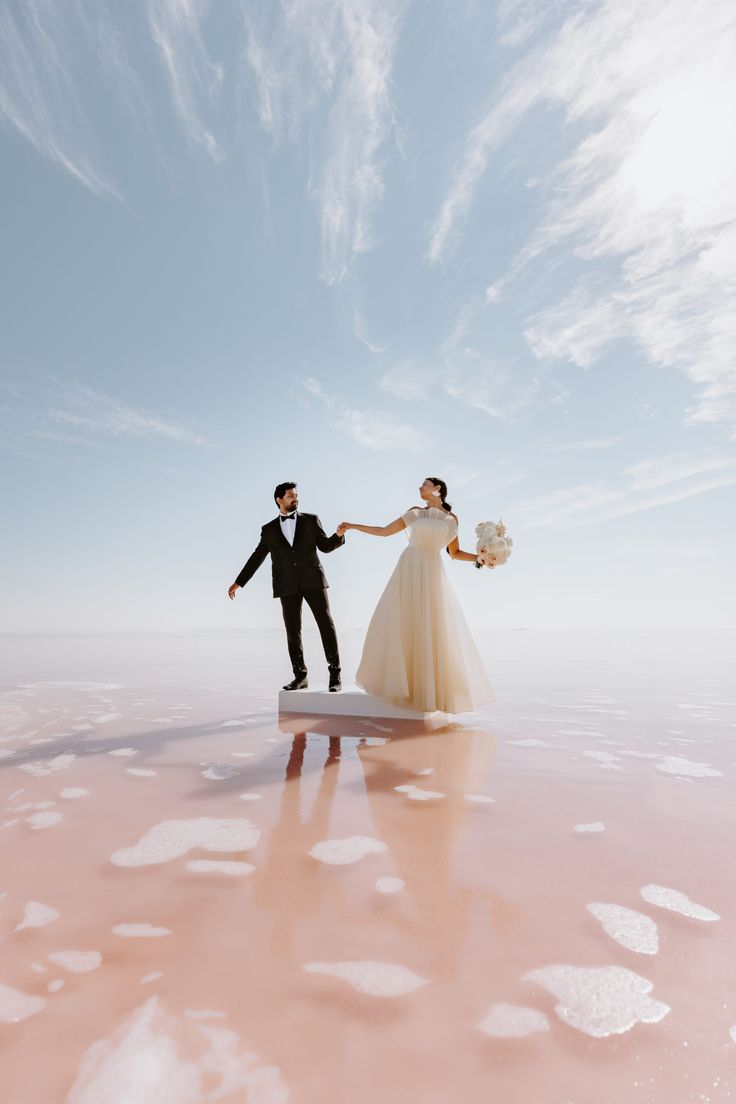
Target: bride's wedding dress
x,y
418,651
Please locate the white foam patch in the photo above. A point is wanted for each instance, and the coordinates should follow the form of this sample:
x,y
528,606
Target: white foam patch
x,y
153,976
140,772
123,751
732,1032
220,866
424,771
36,915
72,792
173,838
154,1058
234,724
376,979
219,771
480,799
388,884
415,793
529,742
600,1000
243,754
44,804
594,826
40,768
6,753
632,930
105,718
55,986
675,901
139,931
77,962
339,852
672,764
80,687
204,1014
43,820
250,796
16,1006
512,1021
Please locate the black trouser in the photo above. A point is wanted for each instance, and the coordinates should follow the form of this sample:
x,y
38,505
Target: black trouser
x,y
291,606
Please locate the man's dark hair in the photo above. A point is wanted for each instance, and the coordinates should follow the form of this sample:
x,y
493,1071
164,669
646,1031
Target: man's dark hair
x,y
281,490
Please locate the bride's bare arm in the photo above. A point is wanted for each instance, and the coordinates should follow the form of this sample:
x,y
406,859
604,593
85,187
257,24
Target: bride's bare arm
x,y
373,530
454,550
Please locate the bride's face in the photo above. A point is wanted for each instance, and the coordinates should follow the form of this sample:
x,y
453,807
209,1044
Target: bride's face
x,y
426,490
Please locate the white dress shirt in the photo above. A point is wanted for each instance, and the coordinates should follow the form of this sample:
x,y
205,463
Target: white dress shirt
x,y
288,528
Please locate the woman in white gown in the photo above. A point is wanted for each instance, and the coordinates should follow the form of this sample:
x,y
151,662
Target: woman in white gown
x,y
418,651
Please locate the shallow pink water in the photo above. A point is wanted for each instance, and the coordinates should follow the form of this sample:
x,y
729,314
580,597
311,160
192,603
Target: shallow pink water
x,y
249,993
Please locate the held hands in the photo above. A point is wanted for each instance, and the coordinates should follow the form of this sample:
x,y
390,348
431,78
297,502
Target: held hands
x,y
343,528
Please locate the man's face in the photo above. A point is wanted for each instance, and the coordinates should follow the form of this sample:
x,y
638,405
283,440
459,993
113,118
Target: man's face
x,y
289,502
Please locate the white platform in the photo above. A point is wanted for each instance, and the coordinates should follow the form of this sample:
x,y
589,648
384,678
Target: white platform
x,y
350,702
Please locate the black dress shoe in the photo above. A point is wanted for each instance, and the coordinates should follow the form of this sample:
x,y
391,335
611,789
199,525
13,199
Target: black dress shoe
x,y
335,683
298,683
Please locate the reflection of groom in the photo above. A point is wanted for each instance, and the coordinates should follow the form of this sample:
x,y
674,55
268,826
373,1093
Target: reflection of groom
x,y
292,540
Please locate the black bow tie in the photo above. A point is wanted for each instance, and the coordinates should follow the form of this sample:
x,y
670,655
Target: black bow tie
x,y
286,517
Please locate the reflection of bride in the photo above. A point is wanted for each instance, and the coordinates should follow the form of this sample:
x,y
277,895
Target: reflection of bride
x,y
418,651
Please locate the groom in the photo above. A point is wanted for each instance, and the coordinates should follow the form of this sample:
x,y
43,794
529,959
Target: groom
x,y
292,540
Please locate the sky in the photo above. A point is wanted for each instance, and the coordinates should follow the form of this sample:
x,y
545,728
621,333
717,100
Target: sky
x,y
354,243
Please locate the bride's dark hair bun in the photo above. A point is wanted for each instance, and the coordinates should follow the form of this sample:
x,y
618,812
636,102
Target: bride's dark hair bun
x,y
442,488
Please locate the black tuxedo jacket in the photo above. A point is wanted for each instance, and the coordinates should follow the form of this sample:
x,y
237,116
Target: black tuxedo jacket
x,y
293,569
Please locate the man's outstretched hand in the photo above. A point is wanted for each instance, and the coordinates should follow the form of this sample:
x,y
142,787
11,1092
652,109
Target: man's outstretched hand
x,y
232,590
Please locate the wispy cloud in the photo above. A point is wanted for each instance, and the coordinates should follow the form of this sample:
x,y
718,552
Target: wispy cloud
x,y
644,486
177,28
649,188
373,429
102,414
39,96
593,444
336,52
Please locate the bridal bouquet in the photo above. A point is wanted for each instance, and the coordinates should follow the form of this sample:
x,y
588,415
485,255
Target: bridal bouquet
x,y
493,547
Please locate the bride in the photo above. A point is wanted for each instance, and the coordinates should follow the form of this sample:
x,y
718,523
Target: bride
x,y
418,651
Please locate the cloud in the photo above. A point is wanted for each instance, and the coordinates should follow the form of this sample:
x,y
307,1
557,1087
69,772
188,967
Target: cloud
x,y
410,380
582,446
39,94
644,203
373,429
100,413
336,54
644,486
195,81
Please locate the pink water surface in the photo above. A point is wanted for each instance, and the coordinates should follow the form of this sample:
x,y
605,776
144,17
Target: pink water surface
x,y
245,998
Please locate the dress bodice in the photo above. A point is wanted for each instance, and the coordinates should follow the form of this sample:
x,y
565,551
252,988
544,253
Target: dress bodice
x,y
430,529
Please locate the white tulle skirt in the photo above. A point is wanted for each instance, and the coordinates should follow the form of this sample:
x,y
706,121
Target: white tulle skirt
x,y
418,651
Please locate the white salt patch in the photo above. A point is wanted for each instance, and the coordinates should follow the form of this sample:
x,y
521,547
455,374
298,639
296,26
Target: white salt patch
x,y
151,977
594,826
40,768
72,792
424,770
243,754
105,718
173,838
732,1032
250,796
44,804
82,687
43,820
234,724
339,852
377,979
16,1006
85,726
42,740
530,742
387,884
24,807
140,772
36,916
5,753
220,866
511,1021
632,930
600,1000
143,931
123,751
675,901
8,823
415,793
204,1014
77,962
220,771
674,765
55,986
480,799
605,758
154,1058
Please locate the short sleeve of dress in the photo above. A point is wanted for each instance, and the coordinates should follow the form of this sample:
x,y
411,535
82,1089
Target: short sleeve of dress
x,y
410,517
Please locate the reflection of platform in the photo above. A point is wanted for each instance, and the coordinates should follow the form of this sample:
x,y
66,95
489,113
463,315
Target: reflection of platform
x,y
351,702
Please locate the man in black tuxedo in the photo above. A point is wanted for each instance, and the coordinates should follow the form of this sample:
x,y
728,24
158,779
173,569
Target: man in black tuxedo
x,y
292,539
